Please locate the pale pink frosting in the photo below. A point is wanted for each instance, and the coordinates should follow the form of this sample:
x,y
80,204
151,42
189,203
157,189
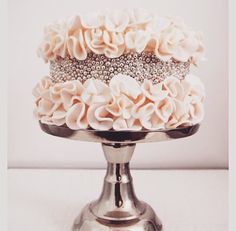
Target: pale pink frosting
x,y
170,41
115,44
180,43
59,115
99,118
92,20
124,84
55,101
137,40
154,29
153,92
157,25
176,88
147,116
155,115
104,42
138,102
76,46
41,89
96,92
66,93
127,124
76,116
54,42
116,21
75,43
139,17
114,32
121,106
196,91
124,104
94,40
164,109
45,106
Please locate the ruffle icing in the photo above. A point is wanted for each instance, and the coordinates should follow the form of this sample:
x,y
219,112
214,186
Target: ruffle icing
x,y
113,33
124,104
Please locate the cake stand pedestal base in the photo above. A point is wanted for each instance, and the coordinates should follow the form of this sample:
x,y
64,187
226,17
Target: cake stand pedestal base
x,y
87,221
118,208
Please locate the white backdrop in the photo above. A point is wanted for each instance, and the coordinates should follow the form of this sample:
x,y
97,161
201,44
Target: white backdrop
x,y
30,147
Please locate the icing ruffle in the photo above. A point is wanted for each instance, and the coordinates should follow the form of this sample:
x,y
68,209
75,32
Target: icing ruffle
x,y
114,32
124,104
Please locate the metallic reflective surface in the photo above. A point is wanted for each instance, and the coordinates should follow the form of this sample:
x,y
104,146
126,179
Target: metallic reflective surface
x,y
118,208
112,136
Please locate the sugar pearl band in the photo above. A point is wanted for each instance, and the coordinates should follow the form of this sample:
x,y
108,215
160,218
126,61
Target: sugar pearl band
x,y
139,66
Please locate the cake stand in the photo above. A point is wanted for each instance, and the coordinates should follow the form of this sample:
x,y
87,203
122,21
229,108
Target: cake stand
x,y
118,208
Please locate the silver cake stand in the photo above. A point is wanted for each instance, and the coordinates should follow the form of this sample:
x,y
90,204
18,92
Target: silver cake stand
x,y
118,208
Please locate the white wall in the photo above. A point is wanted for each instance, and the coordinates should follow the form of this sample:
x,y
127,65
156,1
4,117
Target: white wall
x,y
30,147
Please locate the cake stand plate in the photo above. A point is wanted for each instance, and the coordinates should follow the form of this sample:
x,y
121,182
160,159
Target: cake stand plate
x,y
118,208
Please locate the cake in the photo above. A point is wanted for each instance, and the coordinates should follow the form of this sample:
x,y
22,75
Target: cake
x,y
120,70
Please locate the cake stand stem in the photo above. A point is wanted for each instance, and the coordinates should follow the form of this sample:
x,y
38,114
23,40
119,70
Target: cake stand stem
x,y
118,208
118,200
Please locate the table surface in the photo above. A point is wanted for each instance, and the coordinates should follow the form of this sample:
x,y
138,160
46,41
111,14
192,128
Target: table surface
x,y
49,200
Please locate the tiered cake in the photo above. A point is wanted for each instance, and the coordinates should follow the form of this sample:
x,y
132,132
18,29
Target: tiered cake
x,y
120,70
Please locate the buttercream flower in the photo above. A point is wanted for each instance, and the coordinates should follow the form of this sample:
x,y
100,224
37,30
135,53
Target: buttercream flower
x,y
148,117
164,109
137,40
58,116
157,25
155,28
95,92
179,42
153,92
124,84
99,118
138,17
121,107
94,40
197,89
116,21
71,93
181,108
115,44
104,42
198,54
46,120
189,49
54,42
92,20
76,117
63,92
138,102
75,42
42,88
181,122
46,107
170,42
121,124
196,112
180,115
176,88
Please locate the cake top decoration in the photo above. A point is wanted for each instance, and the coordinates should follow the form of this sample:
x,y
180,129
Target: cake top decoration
x,y
116,33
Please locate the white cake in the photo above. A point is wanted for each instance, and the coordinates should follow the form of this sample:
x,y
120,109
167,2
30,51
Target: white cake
x,y
120,70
